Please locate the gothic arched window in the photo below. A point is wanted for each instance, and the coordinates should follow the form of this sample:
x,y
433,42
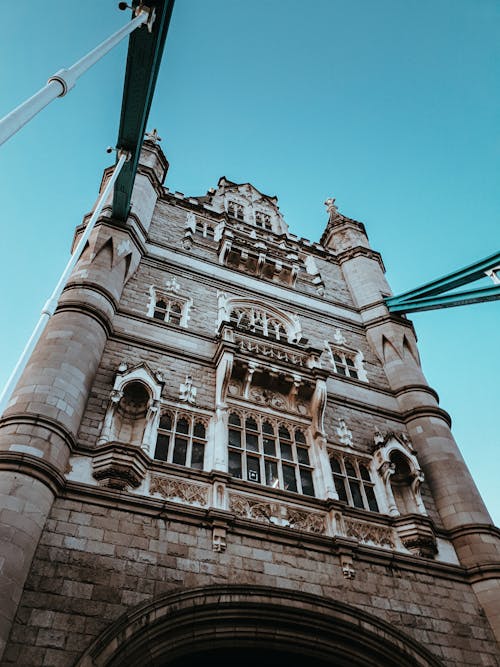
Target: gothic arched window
x,y
353,483
269,453
181,439
258,320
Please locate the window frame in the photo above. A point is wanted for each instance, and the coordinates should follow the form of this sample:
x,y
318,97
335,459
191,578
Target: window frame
x,y
260,321
236,210
175,436
344,480
257,444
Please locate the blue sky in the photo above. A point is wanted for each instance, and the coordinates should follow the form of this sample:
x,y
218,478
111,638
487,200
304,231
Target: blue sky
x,y
391,107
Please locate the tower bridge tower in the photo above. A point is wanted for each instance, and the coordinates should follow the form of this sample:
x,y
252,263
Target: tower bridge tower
x,y
224,447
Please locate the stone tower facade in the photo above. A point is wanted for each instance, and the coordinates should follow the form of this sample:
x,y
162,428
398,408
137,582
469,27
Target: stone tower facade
x,y
224,447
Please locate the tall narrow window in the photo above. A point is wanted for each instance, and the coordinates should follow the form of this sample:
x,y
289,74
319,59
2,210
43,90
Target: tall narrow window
x,y
263,220
353,483
168,310
266,453
235,210
204,229
344,365
181,439
259,321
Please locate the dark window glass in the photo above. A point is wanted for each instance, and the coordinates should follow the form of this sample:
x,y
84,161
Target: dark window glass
x,y
307,482
234,438
234,419
340,488
271,468
235,464
161,450
180,449
197,454
253,469
303,455
350,469
267,428
357,498
289,478
166,422
182,426
335,465
286,451
300,437
284,433
252,442
364,473
251,424
370,496
199,430
269,447
175,314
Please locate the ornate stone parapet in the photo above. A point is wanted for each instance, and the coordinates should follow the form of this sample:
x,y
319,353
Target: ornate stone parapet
x,y
180,490
276,513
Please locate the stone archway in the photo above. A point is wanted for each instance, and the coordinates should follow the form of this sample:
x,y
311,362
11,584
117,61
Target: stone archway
x,y
252,625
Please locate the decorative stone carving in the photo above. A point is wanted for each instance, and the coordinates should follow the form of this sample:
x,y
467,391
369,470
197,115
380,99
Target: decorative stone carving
x,y
369,533
219,534
417,535
347,566
397,464
345,435
309,522
277,514
187,391
186,492
172,285
132,413
339,338
119,466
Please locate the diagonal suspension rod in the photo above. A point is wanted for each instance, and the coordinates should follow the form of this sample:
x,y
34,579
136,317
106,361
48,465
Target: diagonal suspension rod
x,y
65,79
51,305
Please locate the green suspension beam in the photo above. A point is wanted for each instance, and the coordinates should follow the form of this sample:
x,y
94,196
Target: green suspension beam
x,y
439,293
143,63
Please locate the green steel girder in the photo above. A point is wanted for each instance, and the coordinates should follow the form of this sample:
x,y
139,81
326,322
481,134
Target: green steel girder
x,y
435,294
143,63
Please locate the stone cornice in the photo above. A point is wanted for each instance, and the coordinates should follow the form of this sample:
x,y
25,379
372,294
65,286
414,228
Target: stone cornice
x,y
360,251
427,411
34,467
408,388
87,309
36,419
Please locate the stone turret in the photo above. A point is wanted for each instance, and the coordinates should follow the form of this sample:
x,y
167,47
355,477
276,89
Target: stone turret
x,y
39,426
392,337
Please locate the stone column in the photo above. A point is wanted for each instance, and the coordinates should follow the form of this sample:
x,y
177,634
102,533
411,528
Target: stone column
x,y
461,508
39,427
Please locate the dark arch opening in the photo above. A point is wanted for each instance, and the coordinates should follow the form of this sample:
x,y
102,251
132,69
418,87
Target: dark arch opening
x,y
256,624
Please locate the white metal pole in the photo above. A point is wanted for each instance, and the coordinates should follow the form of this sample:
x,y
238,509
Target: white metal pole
x,y
64,80
50,306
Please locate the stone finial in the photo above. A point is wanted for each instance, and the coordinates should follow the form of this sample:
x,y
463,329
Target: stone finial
x,y
153,136
331,208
